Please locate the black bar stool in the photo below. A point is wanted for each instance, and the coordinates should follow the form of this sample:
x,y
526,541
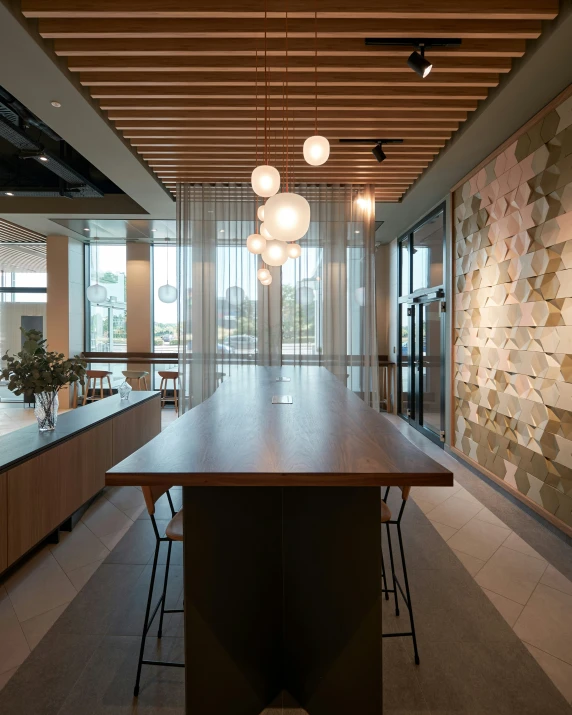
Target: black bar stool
x,y
386,518
173,532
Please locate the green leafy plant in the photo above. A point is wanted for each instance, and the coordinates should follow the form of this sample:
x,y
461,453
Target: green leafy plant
x,y
36,369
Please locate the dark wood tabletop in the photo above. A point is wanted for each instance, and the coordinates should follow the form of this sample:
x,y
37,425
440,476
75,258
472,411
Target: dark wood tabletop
x,y
326,437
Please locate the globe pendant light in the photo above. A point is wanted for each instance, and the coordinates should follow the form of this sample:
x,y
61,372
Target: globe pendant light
x,y
96,293
316,148
265,232
265,180
167,293
256,243
260,213
293,250
267,281
287,216
263,274
275,253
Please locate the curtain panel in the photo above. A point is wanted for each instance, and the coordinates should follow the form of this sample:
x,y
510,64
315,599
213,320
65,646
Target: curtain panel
x,y
319,309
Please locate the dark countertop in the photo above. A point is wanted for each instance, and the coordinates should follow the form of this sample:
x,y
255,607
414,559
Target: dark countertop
x,y
27,442
326,437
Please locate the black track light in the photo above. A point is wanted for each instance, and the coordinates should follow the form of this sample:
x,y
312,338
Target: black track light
x,y
418,63
378,152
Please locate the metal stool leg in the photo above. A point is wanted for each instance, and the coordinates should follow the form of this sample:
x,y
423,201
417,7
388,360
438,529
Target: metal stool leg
x,y
164,596
408,594
394,586
146,622
384,579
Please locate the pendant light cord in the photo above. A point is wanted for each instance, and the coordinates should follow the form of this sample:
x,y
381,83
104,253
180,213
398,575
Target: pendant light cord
x,y
287,111
167,242
266,80
316,60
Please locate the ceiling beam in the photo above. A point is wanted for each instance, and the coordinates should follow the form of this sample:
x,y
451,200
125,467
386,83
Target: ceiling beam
x,y
390,9
137,27
96,54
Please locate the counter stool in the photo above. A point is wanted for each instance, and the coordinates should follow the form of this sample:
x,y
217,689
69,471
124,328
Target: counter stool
x,y
92,377
173,532
386,519
136,378
165,376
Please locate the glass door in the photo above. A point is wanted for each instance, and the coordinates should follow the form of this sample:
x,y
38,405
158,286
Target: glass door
x,y
421,330
428,367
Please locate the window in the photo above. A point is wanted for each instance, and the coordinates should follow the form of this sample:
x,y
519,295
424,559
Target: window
x,y
427,253
22,304
165,315
107,320
302,305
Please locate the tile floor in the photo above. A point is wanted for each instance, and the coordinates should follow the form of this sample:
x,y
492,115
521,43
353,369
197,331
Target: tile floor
x,y
34,597
527,590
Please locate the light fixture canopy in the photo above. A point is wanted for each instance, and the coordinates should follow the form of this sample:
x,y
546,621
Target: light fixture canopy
x,y
316,150
96,293
265,180
275,253
293,250
167,293
417,62
287,216
256,243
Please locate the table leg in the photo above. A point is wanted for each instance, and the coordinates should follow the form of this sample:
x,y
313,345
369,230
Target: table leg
x,y
282,592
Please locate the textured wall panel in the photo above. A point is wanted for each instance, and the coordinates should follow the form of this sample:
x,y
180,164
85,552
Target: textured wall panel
x,y
512,355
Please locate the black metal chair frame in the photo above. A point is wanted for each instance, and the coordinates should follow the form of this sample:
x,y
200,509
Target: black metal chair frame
x,y
160,606
406,595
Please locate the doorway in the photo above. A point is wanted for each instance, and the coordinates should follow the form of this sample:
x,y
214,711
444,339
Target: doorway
x,y
421,356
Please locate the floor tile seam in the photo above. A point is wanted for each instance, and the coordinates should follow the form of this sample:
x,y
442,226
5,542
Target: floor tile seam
x,y
89,564
75,682
29,651
43,614
67,571
542,650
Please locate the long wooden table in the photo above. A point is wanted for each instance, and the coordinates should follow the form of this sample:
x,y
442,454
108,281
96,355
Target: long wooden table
x,y
282,579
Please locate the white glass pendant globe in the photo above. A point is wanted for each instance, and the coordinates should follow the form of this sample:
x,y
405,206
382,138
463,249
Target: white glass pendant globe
x,y
287,217
167,294
316,150
294,250
265,180
275,253
256,243
96,293
265,232
260,213
262,274
267,281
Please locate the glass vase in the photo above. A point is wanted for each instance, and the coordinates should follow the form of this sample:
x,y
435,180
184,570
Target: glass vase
x,y
124,390
46,410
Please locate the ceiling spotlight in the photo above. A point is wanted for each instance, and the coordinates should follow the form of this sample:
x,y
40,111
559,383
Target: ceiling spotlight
x,y
86,229
9,193
416,60
43,158
378,152
418,63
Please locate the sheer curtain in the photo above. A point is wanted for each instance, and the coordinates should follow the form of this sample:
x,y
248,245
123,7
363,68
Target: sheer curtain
x,y
319,309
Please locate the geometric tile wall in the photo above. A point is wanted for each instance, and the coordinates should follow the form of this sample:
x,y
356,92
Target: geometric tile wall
x,y
512,354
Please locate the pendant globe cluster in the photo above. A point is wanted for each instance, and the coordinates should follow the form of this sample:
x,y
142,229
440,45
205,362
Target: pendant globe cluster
x,y
285,216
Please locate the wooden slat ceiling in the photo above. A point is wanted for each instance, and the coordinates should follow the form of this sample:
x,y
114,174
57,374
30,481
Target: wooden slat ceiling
x,y
183,80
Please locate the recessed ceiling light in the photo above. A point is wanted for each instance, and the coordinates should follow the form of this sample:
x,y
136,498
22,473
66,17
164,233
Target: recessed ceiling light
x,y
222,230
357,231
86,229
153,230
9,193
56,104
43,158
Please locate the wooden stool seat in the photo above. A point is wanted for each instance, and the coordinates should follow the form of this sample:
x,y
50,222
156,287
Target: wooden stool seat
x,y
165,376
92,377
136,378
174,528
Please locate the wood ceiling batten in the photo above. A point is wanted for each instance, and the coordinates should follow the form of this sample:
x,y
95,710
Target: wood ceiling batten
x,y
178,78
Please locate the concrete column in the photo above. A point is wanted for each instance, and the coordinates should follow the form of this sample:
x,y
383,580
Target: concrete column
x,y
139,318
65,309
